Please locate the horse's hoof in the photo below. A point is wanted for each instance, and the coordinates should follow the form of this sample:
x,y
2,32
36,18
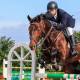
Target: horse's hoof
x,y
53,66
57,67
60,68
47,67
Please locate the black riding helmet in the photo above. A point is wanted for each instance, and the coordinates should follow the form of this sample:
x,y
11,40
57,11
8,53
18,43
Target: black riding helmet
x,y
51,6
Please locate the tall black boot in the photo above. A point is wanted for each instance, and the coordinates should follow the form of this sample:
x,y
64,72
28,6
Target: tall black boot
x,y
74,52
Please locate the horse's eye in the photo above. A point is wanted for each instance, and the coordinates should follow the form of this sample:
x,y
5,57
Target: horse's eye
x,y
38,29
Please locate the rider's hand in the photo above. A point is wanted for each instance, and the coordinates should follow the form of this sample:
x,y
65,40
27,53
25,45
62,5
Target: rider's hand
x,y
53,23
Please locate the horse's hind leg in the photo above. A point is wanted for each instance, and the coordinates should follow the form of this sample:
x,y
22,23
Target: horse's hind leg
x,y
70,69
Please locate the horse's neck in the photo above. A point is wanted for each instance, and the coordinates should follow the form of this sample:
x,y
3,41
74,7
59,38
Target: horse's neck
x,y
46,27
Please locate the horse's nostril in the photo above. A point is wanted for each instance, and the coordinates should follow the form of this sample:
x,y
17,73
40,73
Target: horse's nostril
x,y
32,47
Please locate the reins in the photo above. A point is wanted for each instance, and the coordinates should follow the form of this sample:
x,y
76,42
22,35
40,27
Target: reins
x,y
40,44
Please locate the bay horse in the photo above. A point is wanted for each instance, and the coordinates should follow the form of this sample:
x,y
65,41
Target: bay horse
x,y
38,28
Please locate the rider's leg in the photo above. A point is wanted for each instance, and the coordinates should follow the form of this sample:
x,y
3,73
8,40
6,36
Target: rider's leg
x,y
72,41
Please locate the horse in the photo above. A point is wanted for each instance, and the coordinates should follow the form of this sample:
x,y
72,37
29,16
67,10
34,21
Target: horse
x,y
55,45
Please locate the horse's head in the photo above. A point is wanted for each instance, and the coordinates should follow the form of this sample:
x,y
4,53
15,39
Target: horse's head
x,y
35,31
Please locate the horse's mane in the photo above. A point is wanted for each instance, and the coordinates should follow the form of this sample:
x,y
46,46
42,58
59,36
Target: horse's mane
x,y
41,16
34,19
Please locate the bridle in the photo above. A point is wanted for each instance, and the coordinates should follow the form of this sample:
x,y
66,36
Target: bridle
x,y
40,33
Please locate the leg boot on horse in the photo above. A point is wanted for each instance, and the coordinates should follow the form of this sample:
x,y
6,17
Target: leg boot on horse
x,y
41,60
54,52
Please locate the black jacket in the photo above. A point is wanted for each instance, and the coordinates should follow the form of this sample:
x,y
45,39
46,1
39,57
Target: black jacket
x,y
63,17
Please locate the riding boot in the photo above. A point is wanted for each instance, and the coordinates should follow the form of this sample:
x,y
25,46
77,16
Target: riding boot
x,y
74,52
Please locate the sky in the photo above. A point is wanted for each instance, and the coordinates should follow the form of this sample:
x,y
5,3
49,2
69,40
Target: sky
x,y
13,16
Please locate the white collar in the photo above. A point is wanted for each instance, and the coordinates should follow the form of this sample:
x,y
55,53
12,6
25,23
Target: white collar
x,y
55,16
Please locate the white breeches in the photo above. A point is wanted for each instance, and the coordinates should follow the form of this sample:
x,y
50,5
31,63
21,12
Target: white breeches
x,y
69,31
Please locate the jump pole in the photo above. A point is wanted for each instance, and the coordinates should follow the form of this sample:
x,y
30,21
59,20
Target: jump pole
x,y
69,76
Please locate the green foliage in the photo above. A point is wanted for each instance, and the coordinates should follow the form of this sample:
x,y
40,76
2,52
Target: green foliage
x,y
1,70
5,45
17,64
39,52
77,34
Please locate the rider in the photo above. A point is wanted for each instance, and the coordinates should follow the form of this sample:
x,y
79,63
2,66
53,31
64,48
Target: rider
x,y
63,21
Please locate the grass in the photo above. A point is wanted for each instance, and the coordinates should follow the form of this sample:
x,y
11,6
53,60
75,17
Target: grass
x,y
55,72
25,79
1,70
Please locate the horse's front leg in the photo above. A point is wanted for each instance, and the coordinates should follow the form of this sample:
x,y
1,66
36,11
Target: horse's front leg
x,y
41,60
54,53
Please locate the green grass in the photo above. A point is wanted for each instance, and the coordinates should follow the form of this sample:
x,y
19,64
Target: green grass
x,y
55,72
25,79
1,70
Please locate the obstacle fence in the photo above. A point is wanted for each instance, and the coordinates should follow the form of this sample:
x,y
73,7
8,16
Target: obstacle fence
x,y
25,74
34,75
16,74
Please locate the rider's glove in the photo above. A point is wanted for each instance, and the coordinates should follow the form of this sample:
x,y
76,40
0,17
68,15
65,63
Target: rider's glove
x,y
58,26
53,23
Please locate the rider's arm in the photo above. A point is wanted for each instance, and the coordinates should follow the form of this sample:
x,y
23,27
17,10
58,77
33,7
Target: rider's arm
x,y
63,22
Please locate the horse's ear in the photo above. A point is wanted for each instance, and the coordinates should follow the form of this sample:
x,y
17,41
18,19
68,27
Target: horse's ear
x,y
29,18
39,18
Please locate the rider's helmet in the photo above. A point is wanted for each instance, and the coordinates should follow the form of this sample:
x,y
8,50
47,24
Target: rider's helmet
x,y
51,6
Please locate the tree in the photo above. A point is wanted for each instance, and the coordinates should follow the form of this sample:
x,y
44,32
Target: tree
x,y
77,34
5,45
